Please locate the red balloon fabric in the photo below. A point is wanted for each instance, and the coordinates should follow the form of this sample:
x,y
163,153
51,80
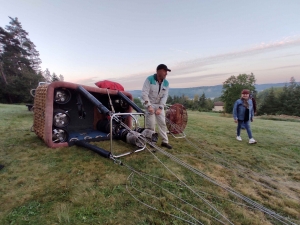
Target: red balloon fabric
x,y
109,85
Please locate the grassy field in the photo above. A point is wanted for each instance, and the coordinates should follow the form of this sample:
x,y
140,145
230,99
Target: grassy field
x,y
197,184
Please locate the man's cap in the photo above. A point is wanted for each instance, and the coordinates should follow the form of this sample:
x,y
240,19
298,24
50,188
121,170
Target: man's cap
x,y
162,67
245,91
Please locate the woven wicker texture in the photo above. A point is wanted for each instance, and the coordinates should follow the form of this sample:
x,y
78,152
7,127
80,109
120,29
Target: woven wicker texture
x,y
176,118
39,111
45,105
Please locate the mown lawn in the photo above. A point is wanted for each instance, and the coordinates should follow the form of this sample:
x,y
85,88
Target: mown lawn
x,y
73,185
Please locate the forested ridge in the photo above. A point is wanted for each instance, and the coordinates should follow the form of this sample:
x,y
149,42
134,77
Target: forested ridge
x,y
271,99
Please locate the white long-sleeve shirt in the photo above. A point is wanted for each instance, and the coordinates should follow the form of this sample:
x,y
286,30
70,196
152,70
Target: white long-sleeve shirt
x,y
153,93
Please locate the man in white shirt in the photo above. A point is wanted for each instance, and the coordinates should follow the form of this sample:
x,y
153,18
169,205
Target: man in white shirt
x,y
155,94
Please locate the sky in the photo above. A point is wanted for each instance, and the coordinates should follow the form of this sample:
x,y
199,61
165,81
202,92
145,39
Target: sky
x,y
202,42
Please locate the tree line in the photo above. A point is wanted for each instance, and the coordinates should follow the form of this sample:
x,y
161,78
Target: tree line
x,y
231,91
279,101
20,69
273,101
199,103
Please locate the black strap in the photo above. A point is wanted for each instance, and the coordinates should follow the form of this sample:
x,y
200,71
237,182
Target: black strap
x,y
80,108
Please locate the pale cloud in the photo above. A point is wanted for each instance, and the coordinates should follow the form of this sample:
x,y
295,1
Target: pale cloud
x,y
89,81
190,73
281,67
261,48
178,50
289,55
196,81
210,76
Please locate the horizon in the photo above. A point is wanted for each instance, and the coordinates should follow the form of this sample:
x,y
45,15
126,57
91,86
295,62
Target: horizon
x,y
220,85
203,43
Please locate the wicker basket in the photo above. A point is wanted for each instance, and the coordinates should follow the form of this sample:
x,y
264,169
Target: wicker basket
x,y
44,105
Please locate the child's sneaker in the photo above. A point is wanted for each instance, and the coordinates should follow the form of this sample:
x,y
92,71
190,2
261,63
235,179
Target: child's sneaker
x,y
252,141
239,138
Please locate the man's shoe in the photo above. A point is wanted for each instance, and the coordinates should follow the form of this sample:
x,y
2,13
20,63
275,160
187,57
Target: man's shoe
x,y
239,138
252,141
163,144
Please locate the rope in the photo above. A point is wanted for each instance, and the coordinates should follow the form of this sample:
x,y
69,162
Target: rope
x,y
228,189
246,199
204,193
241,170
110,102
156,208
169,193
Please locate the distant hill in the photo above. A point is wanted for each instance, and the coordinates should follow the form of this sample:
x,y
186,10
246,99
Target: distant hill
x,y
209,91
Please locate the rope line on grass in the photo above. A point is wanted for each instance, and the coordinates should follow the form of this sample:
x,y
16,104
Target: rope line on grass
x,y
202,192
184,201
131,175
155,146
240,169
246,199
228,189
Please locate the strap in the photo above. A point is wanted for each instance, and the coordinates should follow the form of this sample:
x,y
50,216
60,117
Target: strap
x,y
80,108
110,102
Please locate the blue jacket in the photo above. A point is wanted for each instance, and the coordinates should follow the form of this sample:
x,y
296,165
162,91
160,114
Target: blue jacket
x,y
239,110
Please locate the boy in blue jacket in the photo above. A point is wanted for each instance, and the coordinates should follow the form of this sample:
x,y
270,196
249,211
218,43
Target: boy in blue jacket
x,y
243,113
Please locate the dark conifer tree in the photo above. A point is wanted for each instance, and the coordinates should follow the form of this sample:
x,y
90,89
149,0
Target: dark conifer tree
x,y
17,74
291,98
30,52
54,78
283,101
270,105
61,77
297,101
170,100
202,101
47,75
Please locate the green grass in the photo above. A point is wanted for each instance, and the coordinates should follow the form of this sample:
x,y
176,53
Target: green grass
x,y
281,118
73,185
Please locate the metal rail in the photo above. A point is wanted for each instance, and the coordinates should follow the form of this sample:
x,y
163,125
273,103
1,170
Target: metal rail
x,y
115,118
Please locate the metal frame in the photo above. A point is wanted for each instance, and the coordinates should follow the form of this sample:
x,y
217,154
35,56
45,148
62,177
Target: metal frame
x,y
180,135
136,122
